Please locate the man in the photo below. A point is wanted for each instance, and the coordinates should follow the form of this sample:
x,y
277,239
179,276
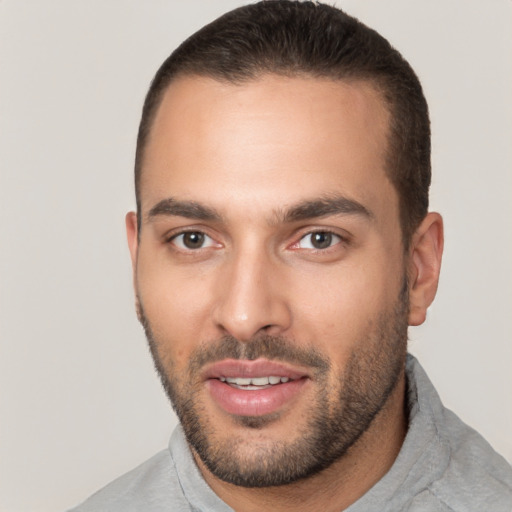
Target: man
x,y
282,245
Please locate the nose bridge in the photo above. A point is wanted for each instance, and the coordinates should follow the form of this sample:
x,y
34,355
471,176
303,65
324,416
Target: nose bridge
x,y
250,300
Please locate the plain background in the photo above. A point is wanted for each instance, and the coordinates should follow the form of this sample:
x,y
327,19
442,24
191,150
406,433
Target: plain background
x,y
79,400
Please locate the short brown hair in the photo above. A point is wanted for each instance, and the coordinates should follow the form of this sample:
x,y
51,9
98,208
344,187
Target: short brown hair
x,y
295,38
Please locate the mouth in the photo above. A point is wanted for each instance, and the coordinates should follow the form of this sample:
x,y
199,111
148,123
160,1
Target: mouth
x,y
253,388
254,383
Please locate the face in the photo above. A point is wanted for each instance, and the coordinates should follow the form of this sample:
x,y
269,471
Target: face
x,y
269,270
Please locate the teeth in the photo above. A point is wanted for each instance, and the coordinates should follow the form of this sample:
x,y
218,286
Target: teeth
x,y
260,381
254,381
239,381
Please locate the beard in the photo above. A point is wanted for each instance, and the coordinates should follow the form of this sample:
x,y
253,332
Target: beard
x,y
343,409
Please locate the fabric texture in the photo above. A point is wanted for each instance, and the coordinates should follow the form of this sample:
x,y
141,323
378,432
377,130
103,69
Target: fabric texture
x,y
443,466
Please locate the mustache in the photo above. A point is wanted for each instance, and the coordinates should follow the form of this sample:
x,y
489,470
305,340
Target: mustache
x,y
268,347
273,348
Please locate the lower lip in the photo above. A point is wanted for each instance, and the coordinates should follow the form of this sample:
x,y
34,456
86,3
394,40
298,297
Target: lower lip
x,y
254,402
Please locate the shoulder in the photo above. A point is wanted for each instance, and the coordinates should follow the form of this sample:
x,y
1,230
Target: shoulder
x,y
465,474
153,486
476,478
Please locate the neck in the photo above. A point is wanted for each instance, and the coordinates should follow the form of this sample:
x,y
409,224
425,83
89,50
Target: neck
x,y
338,486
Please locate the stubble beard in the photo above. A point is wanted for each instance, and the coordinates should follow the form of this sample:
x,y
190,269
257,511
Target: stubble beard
x,y
337,418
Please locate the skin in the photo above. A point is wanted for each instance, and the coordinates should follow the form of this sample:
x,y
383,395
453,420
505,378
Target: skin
x,y
250,153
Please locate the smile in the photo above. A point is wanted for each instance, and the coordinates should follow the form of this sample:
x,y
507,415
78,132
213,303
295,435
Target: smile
x,y
254,383
254,388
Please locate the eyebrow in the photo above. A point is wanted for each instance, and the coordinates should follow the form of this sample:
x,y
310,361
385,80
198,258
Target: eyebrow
x,y
316,208
310,209
188,209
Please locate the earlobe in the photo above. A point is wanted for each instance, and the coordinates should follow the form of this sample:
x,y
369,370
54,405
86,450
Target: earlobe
x,y
424,266
132,236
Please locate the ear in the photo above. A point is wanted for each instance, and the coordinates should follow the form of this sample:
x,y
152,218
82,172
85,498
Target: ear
x,y
132,237
425,256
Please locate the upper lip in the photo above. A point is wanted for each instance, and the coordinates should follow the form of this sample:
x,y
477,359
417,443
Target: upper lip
x,y
257,368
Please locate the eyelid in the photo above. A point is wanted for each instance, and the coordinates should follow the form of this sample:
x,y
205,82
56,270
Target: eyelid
x,y
342,238
170,238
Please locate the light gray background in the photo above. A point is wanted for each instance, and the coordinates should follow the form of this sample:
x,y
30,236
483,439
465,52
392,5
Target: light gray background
x,y
79,401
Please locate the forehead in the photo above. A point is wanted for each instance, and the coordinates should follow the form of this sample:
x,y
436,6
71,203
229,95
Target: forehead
x,y
277,136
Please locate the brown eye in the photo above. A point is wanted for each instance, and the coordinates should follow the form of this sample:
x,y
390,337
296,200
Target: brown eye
x,y
319,240
191,240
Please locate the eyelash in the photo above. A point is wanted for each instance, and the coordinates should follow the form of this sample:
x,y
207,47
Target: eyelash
x,y
181,246
339,239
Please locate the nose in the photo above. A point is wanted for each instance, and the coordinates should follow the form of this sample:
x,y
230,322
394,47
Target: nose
x,y
251,297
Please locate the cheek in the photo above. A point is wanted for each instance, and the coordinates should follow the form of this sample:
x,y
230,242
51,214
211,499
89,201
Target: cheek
x,y
340,307
175,305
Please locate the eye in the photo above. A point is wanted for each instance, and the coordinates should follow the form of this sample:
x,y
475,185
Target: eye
x,y
191,240
318,240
